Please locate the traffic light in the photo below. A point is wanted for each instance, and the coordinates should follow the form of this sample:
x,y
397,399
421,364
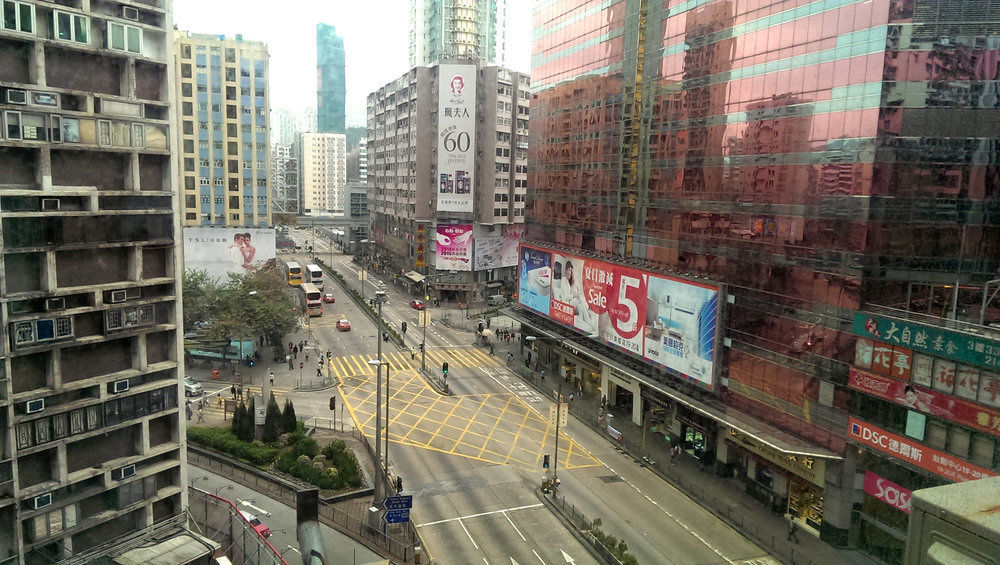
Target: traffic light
x,y
399,484
480,327
333,403
545,461
403,327
444,367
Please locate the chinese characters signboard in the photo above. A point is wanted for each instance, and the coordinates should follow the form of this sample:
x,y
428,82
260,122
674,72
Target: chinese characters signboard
x,y
666,321
917,454
918,337
456,137
454,247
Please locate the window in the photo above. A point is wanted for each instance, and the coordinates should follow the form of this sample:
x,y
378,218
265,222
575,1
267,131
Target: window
x,y
18,16
124,37
203,181
70,27
186,89
13,120
219,181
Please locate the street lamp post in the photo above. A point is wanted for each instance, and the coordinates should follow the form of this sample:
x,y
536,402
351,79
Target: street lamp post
x,y
380,298
558,379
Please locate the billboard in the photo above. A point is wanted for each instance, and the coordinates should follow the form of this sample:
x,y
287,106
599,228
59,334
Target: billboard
x,y
456,137
453,247
914,453
511,239
666,321
488,252
222,250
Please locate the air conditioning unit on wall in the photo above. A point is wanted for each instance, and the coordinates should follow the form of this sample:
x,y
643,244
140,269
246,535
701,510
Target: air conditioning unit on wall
x,y
123,473
41,501
117,296
130,13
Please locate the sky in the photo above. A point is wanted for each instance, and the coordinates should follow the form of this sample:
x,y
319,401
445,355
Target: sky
x,y
375,36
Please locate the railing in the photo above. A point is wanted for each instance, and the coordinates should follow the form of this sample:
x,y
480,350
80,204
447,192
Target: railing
x,y
222,522
580,522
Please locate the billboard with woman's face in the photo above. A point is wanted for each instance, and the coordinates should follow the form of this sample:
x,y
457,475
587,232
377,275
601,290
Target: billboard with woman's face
x,y
456,152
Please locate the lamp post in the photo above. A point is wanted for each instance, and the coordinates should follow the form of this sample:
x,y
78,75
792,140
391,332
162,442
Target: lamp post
x,y
380,298
377,363
558,379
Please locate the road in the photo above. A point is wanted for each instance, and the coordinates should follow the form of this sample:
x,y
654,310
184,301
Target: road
x,y
474,459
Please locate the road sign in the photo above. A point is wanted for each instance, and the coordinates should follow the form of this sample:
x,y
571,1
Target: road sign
x,y
424,318
398,502
397,516
362,275
563,413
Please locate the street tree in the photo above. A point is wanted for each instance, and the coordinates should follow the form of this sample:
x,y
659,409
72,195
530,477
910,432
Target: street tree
x,y
258,303
288,421
272,420
200,291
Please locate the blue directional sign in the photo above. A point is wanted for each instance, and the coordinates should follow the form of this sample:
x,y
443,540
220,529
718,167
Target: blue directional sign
x,y
398,502
397,516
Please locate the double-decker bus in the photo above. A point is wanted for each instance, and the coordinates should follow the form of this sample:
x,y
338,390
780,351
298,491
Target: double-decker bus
x,y
314,299
315,275
294,273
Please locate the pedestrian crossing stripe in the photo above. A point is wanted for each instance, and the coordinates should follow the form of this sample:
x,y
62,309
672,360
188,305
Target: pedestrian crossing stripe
x,y
351,365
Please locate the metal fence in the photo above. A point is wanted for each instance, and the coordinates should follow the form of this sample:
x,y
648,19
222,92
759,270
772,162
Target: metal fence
x,y
580,522
221,521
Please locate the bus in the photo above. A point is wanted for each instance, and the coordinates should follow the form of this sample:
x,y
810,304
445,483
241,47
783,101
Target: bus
x,y
294,273
314,299
315,275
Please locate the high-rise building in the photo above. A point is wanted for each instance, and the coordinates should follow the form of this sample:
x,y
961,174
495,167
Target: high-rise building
x,y
463,29
93,458
331,80
784,232
323,173
451,209
291,124
223,112
357,162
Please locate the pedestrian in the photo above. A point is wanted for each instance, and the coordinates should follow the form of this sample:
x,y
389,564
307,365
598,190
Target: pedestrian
x,y
271,377
319,372
288,358
233,390
239,392
604,401
187,409
307,354
218,400
571,396
793,530
289,347
543,375
301,344
674,452
413,353
201,416
491,349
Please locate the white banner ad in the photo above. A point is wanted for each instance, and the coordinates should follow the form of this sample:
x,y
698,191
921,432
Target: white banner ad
x,y
456,137
225,250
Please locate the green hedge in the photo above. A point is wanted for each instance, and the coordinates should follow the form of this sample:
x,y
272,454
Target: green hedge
x,y
287,459
222,439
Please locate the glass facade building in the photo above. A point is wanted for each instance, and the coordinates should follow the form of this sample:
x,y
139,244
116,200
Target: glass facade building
x,y
814,159
331,96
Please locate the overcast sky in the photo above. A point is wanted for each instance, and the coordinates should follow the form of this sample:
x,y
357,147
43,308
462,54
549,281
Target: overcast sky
x,y
375,41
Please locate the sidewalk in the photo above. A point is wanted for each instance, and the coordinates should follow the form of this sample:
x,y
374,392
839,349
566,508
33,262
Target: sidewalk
x,y
725,497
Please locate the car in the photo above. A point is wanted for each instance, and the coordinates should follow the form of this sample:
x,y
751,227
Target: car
x,y
192,387
417,304
261,529
328,298
343,325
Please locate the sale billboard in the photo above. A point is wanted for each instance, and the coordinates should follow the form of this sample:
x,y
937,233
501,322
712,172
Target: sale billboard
x,y
453,247
456,152
666,321
219,250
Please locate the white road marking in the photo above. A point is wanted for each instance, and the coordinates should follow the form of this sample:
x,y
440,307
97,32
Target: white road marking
x,y
538,556
460,518
566,556
515,527
476,545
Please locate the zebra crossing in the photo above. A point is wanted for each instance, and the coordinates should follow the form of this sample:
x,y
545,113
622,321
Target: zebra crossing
x,y
346,366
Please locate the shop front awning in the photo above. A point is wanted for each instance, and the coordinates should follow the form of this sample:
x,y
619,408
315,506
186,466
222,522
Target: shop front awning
x,y
725,415
414,276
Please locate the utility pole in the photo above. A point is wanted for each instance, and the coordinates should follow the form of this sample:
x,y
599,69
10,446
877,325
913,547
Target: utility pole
x,y
555,458
387,368
379,297
423,340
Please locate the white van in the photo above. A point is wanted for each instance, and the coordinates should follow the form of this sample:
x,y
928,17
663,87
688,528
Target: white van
x,y
496,300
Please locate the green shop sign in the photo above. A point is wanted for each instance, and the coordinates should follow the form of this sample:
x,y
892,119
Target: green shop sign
x,y
966,348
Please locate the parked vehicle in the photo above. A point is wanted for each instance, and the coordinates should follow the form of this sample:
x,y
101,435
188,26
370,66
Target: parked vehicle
x,y
193,387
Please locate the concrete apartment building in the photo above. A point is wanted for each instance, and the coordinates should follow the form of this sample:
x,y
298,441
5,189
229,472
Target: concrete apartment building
x,y
447,159
223,109
92,449
470,29
322,173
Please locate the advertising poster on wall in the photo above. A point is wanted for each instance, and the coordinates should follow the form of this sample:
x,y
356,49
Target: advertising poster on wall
x,y
453,247
535,279
456,135
227,250
487,252
680,326
511,240
666,321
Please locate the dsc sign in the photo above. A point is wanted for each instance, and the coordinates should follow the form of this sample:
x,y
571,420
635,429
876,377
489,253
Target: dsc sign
x,y
887,491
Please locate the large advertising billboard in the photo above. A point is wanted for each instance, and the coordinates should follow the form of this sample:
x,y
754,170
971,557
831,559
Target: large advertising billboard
x,y
227,250
666,321
456,137
453,247
511,239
